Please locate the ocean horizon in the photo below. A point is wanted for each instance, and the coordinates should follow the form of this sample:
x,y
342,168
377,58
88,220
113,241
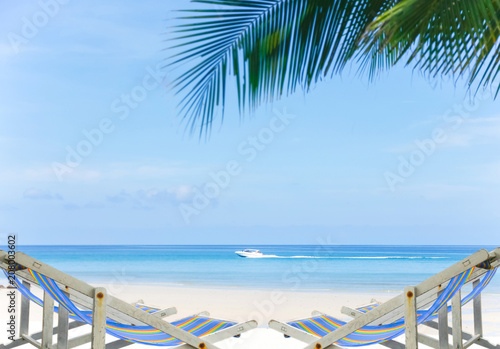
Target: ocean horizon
x,y
346,268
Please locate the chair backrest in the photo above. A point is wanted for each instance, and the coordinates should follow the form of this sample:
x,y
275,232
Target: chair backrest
x,y
420,294
427,298
103,305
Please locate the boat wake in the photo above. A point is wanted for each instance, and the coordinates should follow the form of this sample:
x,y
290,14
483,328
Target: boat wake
x,y
333,257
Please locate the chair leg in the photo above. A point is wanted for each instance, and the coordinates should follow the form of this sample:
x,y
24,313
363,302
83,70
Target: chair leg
x,y
99,318
25,312
411,331
456,320
478,318
48,321
62,328
443,327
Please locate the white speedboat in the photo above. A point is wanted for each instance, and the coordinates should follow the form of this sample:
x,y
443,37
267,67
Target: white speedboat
x,y
249,253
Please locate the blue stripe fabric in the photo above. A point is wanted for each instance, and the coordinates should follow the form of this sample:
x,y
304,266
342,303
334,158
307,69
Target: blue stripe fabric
x,y
196,325
475,291
367,335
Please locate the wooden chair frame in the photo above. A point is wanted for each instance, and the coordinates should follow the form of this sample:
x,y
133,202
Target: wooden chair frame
x,y
103,306
405,305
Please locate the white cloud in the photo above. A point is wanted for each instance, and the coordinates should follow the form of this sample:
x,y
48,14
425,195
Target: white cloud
x,y
7,207
93,204
469,132
6,51
71,206
46,175
475,131
138,170
148,198
113,172
488,173
184,193
434,191
39,194
120,197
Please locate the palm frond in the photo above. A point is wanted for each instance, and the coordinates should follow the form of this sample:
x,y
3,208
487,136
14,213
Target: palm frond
x,y
440,38
274,47
271,47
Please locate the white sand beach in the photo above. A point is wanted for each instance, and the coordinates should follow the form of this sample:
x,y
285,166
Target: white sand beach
x,y
260,305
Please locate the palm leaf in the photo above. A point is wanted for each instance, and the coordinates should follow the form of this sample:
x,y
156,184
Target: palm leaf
x,y
274,47
439,37
270,47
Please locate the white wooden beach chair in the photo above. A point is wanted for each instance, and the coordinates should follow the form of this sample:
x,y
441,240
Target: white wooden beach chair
x,y
88,305
421,304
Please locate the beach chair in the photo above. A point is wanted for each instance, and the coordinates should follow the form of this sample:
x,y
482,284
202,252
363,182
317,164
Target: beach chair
x,y
380,323
83,304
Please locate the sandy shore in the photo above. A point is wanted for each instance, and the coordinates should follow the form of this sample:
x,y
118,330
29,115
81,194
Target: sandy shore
x,y
260,305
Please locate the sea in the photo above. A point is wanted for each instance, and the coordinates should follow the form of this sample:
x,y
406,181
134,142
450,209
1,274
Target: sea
x,y
346,268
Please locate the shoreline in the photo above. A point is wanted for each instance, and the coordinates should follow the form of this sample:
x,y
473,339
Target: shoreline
x,y
353,291
253,288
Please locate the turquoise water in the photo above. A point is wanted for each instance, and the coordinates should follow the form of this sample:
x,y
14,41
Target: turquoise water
x,y
344,268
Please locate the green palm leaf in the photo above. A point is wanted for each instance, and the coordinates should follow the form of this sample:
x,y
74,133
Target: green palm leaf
x,y
439,37
271,47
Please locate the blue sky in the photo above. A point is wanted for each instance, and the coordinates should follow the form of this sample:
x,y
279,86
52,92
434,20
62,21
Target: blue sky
x,y
399,161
